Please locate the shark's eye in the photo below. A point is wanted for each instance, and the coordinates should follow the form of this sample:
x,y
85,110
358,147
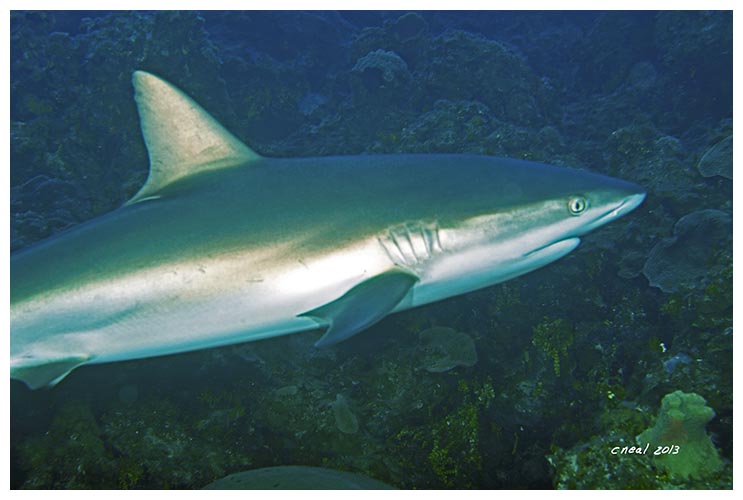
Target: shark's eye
x,y
577,205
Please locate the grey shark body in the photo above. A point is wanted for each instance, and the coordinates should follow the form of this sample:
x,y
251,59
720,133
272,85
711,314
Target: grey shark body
x,y
223,246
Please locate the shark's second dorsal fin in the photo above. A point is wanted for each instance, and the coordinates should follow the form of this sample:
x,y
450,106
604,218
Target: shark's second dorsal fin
x,y
181,137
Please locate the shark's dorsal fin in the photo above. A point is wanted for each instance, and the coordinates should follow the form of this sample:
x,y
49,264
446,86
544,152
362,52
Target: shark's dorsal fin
x,y
181,137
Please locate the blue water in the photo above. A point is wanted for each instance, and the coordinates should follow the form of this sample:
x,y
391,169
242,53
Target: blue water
x,y
572,359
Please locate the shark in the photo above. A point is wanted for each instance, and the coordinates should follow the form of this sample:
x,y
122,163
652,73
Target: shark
x,y
222,245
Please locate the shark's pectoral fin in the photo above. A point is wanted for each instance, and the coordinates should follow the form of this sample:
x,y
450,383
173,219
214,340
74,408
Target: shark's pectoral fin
x,y
46,373
362,306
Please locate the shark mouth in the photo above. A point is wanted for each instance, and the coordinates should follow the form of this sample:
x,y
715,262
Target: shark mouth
x,y
553,251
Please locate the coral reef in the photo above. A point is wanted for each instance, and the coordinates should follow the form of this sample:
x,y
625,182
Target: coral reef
x,y
571,359
73,455
680,428
616,460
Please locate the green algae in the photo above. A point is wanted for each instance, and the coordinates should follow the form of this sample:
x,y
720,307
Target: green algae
x,y
554,337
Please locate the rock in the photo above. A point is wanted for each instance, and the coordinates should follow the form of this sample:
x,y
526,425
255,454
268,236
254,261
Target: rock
x,y
683,261
296,477
450,127
287,390
674,361
631,264
446,348
718,160
460,61
310,102
345,420
642,76
382,68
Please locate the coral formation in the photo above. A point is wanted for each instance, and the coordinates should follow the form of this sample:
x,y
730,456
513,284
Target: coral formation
x,y
445,348
382,68
345,420
687,259
681,429
571,358
718,159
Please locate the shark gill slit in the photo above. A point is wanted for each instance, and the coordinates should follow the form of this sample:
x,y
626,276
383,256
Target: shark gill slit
x,y
400,243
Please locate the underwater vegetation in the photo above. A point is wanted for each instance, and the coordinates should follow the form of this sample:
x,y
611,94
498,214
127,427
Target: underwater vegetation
x,y
529,384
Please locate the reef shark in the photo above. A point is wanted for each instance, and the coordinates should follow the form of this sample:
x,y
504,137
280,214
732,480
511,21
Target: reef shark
x,y
222,245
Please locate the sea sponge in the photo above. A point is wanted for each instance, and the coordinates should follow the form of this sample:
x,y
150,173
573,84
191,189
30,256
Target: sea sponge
x,y
678,441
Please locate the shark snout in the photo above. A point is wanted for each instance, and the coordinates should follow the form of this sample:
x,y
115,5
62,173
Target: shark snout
x,y
618,209
630,203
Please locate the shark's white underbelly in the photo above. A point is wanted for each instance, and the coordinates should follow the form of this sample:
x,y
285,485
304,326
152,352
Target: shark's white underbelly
x,y
243,297
191,305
